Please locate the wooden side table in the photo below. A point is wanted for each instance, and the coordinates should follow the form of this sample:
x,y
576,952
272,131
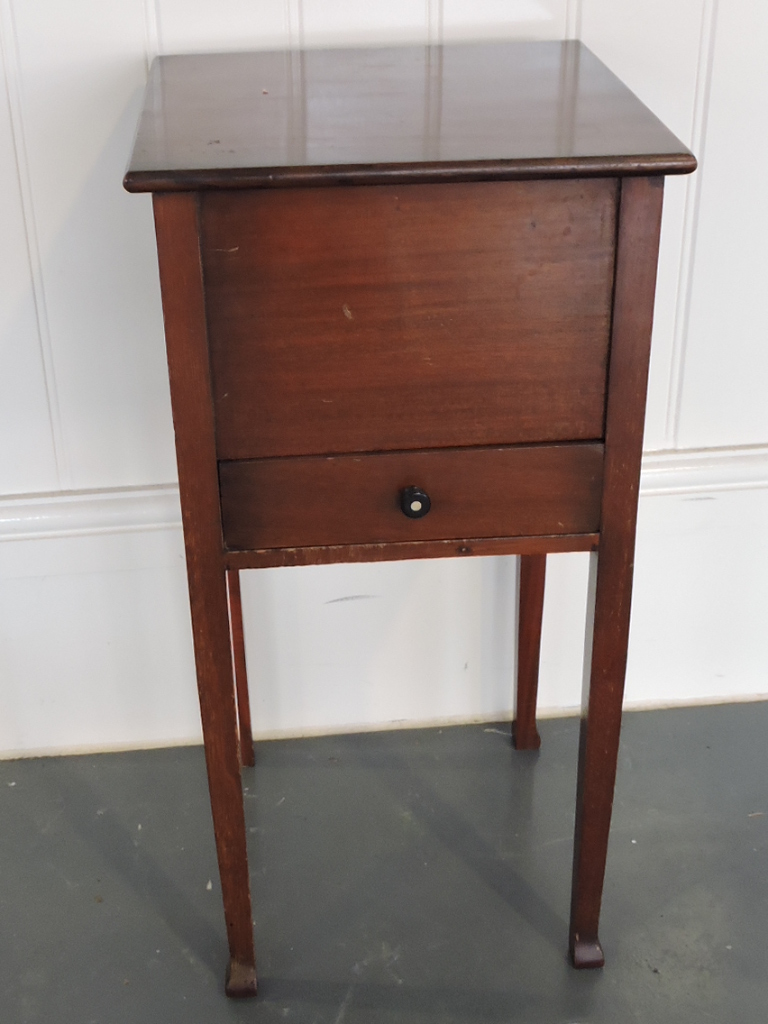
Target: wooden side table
x,y
408,297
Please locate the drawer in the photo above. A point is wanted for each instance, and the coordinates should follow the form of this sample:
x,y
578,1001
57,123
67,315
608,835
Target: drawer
x,y
356,499
423,316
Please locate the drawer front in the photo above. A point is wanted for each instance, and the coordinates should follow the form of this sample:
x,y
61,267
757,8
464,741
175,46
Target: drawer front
x,y
390,318
356,499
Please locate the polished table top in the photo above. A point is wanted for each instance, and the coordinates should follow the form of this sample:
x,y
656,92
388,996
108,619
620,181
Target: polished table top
x,y
409,113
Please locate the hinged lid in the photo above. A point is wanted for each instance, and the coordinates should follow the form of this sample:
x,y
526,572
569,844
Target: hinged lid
x,y
478,111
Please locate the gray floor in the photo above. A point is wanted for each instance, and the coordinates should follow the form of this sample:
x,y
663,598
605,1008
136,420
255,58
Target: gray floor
x,y
408,876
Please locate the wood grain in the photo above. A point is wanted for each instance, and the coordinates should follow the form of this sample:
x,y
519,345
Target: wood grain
x,y
532,573
184,313
387,552
455,325
393,318
355,499
638,241
245,729
359,116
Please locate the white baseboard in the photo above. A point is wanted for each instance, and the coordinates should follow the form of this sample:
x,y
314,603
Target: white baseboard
x,y
491,725
77,513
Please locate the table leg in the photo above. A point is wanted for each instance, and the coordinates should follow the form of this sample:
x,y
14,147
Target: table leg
x,y
210,627
598,750
530,609
610,590
181,286
611,568
247,757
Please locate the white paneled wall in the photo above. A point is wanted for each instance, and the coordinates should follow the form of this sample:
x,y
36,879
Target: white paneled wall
x,y
77,73
667,70
724,400
178,26
27,455
503,19
95,648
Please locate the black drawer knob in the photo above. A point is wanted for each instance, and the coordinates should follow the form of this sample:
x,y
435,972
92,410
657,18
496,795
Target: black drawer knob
x,y
414,502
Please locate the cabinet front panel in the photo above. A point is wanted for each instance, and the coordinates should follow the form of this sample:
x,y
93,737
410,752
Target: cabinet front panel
x,y
385,318
358,499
